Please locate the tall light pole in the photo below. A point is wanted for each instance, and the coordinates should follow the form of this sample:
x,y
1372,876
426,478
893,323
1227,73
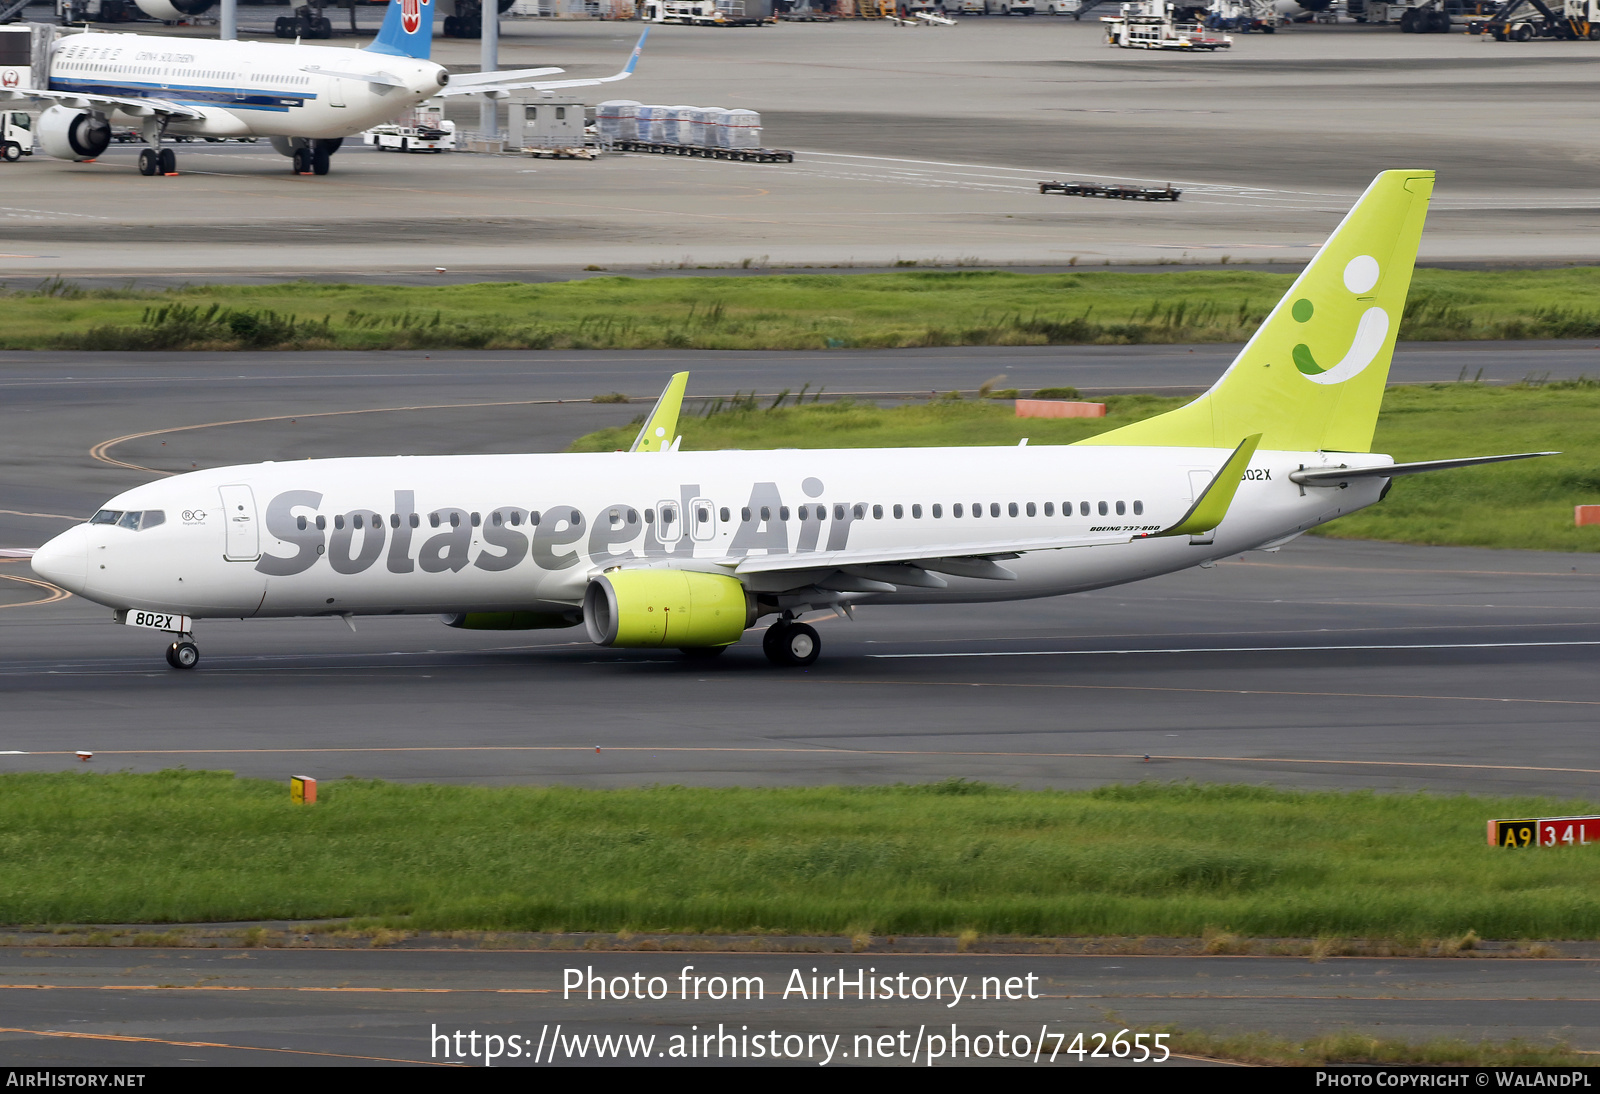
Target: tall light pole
x,y
228,21
489,61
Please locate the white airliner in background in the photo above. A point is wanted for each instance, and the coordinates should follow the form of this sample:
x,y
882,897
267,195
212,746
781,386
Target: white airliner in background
x,y
656,547
307,99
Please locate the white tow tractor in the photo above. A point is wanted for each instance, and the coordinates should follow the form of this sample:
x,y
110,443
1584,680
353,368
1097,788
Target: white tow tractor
x,y
1155,24
424,129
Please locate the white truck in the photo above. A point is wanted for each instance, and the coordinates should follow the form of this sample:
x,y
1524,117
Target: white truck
x,y
1008,7
16,131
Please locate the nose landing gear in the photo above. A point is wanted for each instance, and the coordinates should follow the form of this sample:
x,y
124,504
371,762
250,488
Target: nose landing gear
x,y
183,654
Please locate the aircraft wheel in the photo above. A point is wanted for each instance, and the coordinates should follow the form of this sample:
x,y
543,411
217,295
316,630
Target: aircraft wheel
x,y
183,654
13,152
301,163
149,162
319,162
801,645
167,161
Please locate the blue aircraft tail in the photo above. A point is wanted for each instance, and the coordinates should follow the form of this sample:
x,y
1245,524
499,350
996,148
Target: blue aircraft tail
x,y
407,30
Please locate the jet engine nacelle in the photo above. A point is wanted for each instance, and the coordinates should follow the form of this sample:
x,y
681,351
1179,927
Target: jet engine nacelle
x,y
649,608
70,134
172,11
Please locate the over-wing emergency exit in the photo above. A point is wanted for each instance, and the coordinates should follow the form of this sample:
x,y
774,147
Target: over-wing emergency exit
x,y
656,547
306,99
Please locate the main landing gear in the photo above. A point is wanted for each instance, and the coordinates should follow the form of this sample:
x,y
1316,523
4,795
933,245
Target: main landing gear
x,y
158,162
183,654
308,156
792,644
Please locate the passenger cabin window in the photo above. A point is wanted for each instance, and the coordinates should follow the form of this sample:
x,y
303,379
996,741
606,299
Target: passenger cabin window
x,y
1083,508
744,514
859,510
955,510
877,512
1012,509
1031,510
1138,508
994,509
1122,508
783,512
916,512
899,512
1102,508
938,511
1049,509
724,514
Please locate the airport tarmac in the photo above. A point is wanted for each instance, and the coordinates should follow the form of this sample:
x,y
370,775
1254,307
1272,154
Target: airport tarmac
x,y
1327,664
916,145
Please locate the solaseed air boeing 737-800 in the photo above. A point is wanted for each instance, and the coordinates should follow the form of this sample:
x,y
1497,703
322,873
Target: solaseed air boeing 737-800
x,y
306,99
656,547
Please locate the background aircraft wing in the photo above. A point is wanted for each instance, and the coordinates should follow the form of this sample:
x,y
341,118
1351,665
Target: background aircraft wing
x,y
141,108
496,84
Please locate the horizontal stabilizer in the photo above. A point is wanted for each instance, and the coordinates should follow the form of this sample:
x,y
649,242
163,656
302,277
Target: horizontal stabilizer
x,y
468,79
497,84
1333,476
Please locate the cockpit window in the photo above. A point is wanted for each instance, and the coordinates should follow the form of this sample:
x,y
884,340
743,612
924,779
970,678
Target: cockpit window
x,y
133,519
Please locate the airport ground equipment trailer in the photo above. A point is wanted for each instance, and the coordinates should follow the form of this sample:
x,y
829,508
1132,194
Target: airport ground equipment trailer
x,y
1521,20
1103,190
1155,24
748,155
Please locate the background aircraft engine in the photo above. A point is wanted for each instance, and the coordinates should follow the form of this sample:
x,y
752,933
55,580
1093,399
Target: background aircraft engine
x,y
171,11
73,134
648,608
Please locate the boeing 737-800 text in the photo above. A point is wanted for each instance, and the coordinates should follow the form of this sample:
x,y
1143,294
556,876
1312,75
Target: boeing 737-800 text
x,y
307,99
656,547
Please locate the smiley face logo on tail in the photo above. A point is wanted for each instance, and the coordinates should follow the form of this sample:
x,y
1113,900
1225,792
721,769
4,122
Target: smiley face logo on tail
x,y
1360,275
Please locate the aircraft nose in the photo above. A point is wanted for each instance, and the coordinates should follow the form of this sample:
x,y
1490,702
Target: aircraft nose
x,y
65,560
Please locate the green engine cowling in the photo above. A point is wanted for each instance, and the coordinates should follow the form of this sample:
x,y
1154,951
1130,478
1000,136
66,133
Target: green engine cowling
x,y
651,608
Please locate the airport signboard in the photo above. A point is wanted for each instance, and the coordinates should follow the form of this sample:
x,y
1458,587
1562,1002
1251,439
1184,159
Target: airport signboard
x,y
1545,832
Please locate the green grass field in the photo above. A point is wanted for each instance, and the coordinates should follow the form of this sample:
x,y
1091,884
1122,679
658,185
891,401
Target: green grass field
x,y
1526,505
811,311
940,859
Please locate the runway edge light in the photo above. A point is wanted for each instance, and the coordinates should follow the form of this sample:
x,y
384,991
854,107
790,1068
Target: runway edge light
x,y
303,790
1545,832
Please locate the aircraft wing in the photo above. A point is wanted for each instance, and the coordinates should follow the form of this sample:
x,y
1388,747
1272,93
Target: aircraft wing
x,y
140,108
497,84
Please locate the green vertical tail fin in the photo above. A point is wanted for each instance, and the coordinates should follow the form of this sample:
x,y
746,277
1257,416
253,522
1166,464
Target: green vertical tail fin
x,y
1313,376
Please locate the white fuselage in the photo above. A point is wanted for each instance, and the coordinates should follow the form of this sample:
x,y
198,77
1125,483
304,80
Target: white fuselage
x,y
245,88
527,533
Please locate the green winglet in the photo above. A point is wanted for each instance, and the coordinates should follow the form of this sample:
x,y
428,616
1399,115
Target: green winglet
x,y
1212,505
661,427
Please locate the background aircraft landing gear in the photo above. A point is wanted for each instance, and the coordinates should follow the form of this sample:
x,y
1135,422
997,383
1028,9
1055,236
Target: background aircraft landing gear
x,y
183,654
789,643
